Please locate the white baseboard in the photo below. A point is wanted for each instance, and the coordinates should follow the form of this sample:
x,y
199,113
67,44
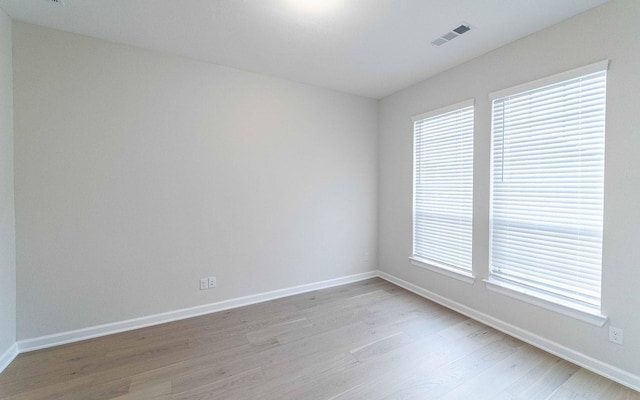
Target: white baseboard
x,y
142,322
615,374
8,356
599,367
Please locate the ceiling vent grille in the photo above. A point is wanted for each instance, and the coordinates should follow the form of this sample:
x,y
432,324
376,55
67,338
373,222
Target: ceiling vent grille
x,y
452,34
57,2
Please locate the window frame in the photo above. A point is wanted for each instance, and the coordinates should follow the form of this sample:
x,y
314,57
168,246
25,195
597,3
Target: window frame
x,y
460,273
523,292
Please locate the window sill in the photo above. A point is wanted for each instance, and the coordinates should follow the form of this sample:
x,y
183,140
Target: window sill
x,y
443,270
545,301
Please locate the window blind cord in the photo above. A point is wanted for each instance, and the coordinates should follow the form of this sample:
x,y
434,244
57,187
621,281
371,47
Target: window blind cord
x,y
502,153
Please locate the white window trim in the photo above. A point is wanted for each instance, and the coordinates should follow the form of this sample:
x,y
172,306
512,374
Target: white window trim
x,y
545,301
523,293
444,110
550,80
442,269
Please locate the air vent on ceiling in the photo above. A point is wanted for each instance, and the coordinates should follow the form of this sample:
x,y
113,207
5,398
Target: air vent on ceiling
x,y
452,34
57,2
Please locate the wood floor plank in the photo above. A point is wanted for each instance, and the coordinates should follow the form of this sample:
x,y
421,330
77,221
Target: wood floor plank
x,y
379,376
156,391
585,385
542,381
366,340
277,330
502,375
433,380
381,346
233,386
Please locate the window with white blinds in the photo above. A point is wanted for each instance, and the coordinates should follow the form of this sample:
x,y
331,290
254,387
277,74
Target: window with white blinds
x,y
443,188
547,188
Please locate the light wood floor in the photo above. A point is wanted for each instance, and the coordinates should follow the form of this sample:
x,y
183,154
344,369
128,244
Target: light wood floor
x,y
368,340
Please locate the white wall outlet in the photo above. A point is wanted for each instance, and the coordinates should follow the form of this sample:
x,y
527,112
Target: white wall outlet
x,y
213,282
615,335
204,283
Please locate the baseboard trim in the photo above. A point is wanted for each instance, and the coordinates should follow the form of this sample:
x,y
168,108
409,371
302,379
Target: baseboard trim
x,y
616,374
609,371
57,339
8,356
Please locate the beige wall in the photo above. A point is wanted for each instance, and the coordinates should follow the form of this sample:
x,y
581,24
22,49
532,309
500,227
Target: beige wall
x,y
7,211
609,31
138,173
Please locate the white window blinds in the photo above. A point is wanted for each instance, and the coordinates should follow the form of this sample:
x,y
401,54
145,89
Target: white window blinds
x,y
547,189
443,187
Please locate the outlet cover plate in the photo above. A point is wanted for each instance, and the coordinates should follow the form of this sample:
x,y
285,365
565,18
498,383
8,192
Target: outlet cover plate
x,y
616,335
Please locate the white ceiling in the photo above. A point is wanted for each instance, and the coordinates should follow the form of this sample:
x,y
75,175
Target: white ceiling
x,y
365,47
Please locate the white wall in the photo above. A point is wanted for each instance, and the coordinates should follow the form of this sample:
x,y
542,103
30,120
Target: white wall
x,y
7,210
609,31
137,173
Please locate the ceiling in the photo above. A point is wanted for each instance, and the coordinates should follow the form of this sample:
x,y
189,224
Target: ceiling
x,y
370,48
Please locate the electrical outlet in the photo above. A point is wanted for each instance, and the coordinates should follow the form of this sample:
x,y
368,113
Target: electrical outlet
x,y
213,282
615,335
204,283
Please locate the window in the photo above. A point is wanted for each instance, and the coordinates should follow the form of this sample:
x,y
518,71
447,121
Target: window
x,y
443,190
547,186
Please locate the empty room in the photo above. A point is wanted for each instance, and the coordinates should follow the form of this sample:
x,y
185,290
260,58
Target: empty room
x,y
319,199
